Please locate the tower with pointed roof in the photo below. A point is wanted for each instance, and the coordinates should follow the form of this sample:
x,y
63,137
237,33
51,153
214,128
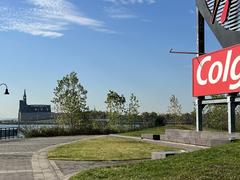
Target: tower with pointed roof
x,y
25,96
33,112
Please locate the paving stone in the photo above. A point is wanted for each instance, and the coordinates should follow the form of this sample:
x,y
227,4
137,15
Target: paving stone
x,y
17,176
18,157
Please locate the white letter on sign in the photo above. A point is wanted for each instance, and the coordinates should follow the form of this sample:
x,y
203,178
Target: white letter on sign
x,y
234,76
229,55
220,71
199,70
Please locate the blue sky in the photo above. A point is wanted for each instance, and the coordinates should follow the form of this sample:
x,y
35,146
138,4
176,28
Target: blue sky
x,y
122,45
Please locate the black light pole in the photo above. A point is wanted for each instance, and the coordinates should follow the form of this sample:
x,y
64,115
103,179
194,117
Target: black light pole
x,y
200,33
200,50
6,90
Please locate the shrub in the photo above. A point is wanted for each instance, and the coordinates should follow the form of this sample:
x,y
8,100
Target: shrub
x,y
61,131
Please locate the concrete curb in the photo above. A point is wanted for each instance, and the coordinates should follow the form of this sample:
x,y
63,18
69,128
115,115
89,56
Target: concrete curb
x,y
47,169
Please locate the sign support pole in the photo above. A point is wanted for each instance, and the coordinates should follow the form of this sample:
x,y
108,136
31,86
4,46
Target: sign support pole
x,y
231,113
200,33
201,50
199,114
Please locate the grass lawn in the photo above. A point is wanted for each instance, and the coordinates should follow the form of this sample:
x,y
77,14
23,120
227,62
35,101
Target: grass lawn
x,y
158,130
106,148
217,163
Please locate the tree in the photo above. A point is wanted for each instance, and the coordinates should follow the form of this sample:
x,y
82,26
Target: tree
x,y
133,109
149,119
70,101
175,108
115,106
215,116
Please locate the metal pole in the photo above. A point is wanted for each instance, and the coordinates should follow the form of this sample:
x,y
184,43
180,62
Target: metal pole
x,y
200,50
200,33
231,113
199,114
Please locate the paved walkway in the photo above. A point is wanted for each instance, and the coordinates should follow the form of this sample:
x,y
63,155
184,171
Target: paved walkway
x,y
26,159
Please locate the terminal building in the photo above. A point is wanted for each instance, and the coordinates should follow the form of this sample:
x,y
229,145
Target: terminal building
x,y
33,112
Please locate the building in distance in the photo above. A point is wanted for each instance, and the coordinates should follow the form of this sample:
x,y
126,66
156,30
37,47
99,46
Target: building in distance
x,y
33,113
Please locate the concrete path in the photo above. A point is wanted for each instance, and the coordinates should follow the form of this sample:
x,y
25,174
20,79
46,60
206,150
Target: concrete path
x,y
26,159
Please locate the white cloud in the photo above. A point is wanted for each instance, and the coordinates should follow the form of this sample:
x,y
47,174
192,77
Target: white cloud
x,y
125,2
123,16
119,9
48,18
119,13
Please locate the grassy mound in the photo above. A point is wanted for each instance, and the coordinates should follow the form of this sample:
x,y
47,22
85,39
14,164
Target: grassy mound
x,y
106,148
219,163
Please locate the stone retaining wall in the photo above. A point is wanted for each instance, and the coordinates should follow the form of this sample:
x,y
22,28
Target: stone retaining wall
x,y
204,138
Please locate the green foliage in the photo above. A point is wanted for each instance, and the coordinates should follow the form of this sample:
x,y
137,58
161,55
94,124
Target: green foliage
x,y
217,163
133,110
94,114
215,116
238,118
175,109
61,131
115,107
149,119
133,105
70,101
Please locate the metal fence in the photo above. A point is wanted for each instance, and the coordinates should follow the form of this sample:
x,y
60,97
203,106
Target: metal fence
x,y
8,133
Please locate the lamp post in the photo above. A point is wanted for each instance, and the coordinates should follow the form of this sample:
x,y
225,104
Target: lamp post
x,y
6,90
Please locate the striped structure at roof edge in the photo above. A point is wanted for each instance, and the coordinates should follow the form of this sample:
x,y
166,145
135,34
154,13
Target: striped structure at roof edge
x,y
233,20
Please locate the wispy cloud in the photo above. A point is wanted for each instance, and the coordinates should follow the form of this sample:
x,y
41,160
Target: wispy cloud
x,y
125,2
120,13
48,18
120,10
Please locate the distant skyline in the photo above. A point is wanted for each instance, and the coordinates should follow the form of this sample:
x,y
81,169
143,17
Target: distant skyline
x,y
120,45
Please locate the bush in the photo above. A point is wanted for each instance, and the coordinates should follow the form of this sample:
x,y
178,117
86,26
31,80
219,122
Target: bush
x,y
61,131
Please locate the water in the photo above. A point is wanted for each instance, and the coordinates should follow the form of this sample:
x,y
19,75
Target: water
x,y
27,126
8,126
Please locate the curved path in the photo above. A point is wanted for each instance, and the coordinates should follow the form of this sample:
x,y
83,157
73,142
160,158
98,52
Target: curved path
x,y
26,159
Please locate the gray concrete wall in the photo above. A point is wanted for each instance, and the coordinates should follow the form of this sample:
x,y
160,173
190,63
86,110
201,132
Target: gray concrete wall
x,y
205,138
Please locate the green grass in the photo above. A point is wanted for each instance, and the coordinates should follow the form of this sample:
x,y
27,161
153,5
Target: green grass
x,y
106,148
157,130
217,163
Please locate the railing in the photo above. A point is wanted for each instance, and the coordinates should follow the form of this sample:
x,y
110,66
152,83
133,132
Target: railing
x,y
8,133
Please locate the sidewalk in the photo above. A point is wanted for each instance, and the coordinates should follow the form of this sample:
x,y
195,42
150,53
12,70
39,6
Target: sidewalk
x,y
26,159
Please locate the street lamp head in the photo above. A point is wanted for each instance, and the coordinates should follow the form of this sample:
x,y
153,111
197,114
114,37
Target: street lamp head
x,y
6,91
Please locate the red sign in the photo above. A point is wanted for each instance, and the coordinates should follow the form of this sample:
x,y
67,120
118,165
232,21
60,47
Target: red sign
x,y
217,72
